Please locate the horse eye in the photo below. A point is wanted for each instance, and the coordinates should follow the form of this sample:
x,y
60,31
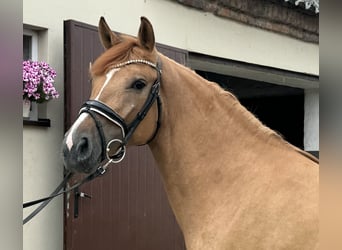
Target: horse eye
x,y
139,84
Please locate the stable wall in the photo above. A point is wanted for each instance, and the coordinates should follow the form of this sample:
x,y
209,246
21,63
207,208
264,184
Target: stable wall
x,y
174,25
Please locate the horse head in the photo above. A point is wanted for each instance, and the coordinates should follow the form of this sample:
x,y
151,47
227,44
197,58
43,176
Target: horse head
x,y
124,105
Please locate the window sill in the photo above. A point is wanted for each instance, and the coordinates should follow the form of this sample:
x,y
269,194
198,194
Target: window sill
x,y
42,122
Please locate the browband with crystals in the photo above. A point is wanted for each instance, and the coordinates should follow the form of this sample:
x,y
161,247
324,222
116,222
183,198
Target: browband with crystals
x,y
134,61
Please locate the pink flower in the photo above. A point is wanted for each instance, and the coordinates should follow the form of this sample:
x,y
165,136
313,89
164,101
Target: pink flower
x,y
38,79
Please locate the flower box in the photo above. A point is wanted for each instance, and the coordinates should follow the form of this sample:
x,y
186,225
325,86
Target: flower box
x,y
38,87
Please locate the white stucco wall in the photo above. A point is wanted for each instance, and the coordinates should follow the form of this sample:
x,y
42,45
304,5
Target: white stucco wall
x,y
174,25
311,120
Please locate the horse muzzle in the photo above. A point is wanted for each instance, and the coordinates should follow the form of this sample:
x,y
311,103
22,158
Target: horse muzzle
x,y
84,155
85,146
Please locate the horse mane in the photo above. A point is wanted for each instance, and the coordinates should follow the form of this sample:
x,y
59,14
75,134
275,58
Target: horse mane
x,y
254,121
228,99
114,55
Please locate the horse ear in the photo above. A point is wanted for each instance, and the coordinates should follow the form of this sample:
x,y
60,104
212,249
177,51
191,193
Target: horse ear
x,y
146,34
107,36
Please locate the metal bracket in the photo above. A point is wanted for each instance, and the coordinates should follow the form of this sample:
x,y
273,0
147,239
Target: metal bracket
x,y
77,196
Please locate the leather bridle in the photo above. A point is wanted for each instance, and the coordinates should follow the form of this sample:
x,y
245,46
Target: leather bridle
x,y
94,108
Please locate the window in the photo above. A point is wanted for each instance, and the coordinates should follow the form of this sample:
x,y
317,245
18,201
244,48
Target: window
x,y
31,38
30,45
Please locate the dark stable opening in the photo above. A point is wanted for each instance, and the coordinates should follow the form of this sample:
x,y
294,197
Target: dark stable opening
x,y
279,107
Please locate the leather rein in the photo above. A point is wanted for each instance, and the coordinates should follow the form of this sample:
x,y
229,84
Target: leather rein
x,y
94,108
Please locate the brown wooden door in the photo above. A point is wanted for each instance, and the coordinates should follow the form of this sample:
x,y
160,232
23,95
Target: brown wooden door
x,y
129,208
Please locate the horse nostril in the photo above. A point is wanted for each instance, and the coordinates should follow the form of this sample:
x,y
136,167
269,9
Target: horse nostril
x,y
82,145
83,149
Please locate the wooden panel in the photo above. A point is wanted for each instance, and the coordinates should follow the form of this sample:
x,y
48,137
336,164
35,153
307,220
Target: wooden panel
x,y
82,46
179,55
128,208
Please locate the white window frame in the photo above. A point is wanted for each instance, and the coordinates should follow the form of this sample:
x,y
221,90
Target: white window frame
x,y
34,45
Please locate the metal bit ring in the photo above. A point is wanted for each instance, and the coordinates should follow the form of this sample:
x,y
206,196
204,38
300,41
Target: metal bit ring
x,y
119,154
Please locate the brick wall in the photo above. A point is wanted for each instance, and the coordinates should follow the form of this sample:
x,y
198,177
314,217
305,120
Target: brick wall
x,y
276,16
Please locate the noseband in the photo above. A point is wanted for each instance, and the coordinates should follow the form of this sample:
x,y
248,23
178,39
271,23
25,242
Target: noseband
x,y
94,108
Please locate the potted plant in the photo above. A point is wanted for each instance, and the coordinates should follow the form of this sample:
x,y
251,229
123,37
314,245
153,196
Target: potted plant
x,y
38,86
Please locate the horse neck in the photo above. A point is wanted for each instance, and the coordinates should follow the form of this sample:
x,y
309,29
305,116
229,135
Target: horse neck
x,y
200,124
200,119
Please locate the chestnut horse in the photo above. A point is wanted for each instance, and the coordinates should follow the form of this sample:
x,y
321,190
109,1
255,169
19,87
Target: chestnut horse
x,y
232,182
